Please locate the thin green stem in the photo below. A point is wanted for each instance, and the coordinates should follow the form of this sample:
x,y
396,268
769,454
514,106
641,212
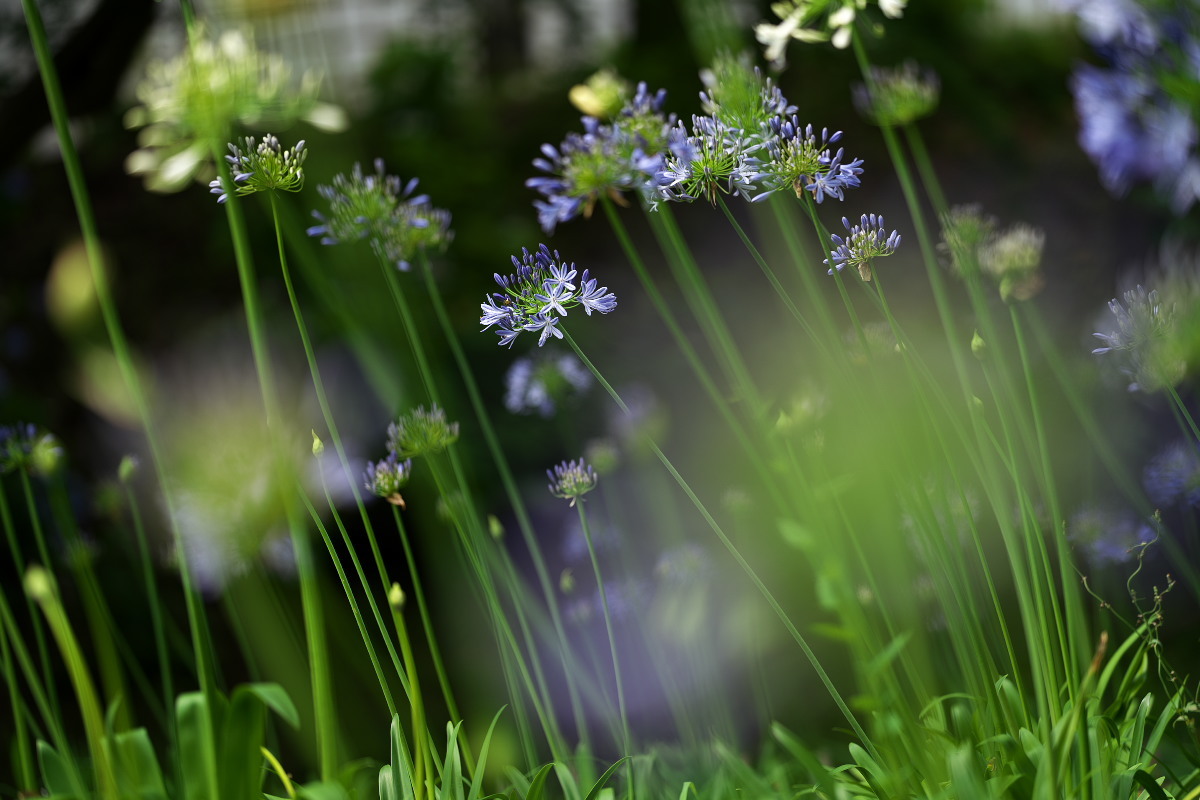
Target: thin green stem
x,y
366,588
50,715
704,307
112,324
416,701
535,684
39,634
510,490
435,652
154,602
627,742
41,586
358,618
740,559
773,279
26,778
749,447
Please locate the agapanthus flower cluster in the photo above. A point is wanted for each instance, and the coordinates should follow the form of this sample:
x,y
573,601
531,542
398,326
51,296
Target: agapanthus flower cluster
x,y
1173,475
200,97
740,96
751,144
383,209
537,383
421,432
1011,257
386,477
712,158
799,160
815,21
25,446
1145,341
571,480
1137,116
863,243
539,294
898,95
262,167
606,160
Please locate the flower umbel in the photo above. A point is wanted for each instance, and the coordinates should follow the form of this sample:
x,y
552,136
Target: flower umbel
x,y
1012,257
266,166
571,480
538,383
1144,340
27,447
603,161
898,95
798,160
383,209
199,98
421,432
540,293
866,242
387,477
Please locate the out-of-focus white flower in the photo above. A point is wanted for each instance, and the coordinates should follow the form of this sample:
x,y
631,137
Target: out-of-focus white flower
x,y
199,98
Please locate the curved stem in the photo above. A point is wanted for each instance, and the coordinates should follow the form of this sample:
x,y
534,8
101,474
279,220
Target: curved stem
x,y
740,559
612,639
510,489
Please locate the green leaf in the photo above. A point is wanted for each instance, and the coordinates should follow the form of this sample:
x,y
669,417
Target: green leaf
x,y
58,773
452,785
136,766
885,657
537,786
195,746
477,780
241,742
322,791
276,698
1150,785
802,754
608,773
395,779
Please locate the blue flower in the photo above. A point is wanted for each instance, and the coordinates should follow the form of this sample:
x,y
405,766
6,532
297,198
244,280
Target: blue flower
x,y
799,160
571,480
27,447
1137,117
713,158
381,208
1107,536
538,295
1145,341
866,242
603,160
547,325
1173,475
385,478
538,383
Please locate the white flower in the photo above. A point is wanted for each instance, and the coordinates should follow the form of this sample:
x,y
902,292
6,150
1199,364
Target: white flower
x,y
776,37
892,8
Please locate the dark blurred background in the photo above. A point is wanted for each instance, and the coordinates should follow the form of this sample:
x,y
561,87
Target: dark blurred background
x,y
462,94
